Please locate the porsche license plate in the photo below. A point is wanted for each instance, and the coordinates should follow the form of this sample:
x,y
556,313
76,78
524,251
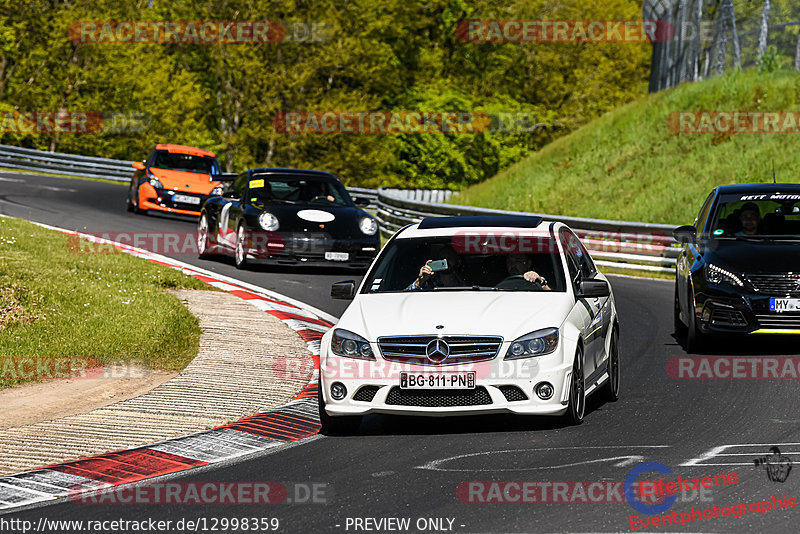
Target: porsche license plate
x,y
337,256
782,305
463,380
186,199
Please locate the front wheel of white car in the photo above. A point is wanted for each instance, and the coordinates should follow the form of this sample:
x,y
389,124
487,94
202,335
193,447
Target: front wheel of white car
x,y
612,385
577,391
341,425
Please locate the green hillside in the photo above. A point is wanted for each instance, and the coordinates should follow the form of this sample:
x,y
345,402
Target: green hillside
x,y
629,165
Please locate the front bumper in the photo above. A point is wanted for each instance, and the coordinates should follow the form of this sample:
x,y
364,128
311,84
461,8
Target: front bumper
x,y
164,200
500,387
300,248
723,310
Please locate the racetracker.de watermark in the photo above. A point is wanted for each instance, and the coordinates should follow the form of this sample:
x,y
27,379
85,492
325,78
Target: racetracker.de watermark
x,y
734,122
563,31
73,122
405,122
41,368
734,368
202,493
564,491
199,32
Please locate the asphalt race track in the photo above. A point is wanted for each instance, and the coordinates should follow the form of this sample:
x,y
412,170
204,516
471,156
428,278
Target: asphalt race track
x,y
401,467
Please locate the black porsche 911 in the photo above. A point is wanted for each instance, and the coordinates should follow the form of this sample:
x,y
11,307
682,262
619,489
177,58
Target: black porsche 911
x,y
739,268
288,217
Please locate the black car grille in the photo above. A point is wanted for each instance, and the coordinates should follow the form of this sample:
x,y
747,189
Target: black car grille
x,y
513,393
436,398
463,349
722,317
366,393
776,285
778,320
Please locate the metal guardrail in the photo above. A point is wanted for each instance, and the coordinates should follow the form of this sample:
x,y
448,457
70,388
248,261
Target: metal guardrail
x,y
621,244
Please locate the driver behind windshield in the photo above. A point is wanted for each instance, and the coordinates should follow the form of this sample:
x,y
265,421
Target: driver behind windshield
x,y
449,277
750,217
522,265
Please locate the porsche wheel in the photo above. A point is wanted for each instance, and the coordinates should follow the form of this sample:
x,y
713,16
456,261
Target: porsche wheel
x,y
240,254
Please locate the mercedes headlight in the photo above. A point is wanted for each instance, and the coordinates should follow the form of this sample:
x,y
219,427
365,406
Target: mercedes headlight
x,y
268,221
536,343
717,275
368,225
350,345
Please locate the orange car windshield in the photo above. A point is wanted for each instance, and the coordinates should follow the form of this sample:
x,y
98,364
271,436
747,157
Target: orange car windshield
x,y
174,161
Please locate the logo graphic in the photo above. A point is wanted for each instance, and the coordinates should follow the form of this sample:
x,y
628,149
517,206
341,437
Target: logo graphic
x,y
630,496
776,465
437,350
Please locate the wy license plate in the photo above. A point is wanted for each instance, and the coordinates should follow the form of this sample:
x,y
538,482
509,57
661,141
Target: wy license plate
x,y
463,380
337,256
186,199
782,305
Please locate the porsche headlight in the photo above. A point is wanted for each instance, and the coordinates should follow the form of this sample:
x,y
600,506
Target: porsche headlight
x,y
368,225
717,275
350,345
536,343
268,221
217,191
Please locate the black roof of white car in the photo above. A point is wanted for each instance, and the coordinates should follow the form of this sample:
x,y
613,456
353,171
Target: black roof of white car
x,y
471,221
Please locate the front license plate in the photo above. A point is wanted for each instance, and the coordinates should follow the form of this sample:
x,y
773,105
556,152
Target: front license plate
x,y
465,380
337,256
782,305
186,199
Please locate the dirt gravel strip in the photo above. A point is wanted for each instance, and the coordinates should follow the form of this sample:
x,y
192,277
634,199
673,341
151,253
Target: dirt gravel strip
x,y
278,426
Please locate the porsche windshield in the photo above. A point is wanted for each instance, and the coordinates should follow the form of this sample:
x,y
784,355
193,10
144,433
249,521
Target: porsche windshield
x,y
454,267
298,190
770,216
174,161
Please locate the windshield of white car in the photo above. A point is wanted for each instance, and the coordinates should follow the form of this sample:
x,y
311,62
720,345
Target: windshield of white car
x,y
757,218
400,264
298,190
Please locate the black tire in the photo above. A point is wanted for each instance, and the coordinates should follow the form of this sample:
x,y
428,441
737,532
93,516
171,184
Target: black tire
x,y
611,387
695,339
239,254
576,408
203,243
136,207
329,425
128,203
680,328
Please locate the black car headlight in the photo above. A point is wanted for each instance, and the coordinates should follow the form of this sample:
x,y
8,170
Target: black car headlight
x,y
536,343
217,191
350,345
717,275
368,225
268,221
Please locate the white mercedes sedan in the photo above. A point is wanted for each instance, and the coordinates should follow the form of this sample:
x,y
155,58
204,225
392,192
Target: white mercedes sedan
x,y
472,315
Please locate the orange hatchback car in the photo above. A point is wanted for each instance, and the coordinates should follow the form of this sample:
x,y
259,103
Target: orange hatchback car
x,y
175,179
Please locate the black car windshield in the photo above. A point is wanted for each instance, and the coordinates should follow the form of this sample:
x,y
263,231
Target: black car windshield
x,y
174,161
459,268
298,190
757,216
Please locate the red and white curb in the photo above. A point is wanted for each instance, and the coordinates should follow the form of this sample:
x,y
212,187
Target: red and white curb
x,y
289,423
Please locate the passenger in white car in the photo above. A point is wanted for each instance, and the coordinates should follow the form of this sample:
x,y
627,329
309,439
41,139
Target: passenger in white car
x,y
450,277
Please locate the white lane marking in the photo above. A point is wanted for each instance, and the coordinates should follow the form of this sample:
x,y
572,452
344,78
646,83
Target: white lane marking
x,y
435,465
11,180
717,451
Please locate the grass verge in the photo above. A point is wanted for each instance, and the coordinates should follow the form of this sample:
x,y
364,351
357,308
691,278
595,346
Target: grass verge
x,y
56,303
628,165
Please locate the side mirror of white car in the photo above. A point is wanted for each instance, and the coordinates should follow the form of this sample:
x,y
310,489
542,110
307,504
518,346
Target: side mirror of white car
x,y
343,290
593,289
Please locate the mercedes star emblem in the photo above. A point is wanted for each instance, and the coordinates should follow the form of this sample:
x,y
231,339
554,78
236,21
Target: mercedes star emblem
x,y
437,350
